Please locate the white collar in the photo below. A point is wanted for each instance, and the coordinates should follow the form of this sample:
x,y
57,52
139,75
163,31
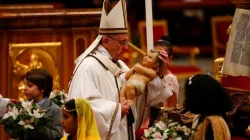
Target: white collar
x,y
103,51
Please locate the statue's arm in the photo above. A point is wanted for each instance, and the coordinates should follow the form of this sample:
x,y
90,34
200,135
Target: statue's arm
x,y
130,73
150,73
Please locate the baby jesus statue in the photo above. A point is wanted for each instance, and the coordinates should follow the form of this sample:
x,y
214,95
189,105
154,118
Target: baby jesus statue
x,y
140,75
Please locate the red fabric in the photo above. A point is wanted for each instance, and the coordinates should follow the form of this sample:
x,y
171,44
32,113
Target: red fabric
x,y
158,32
56,5
139,133
183,69
222,36
221,31
238,138
240,82
222,52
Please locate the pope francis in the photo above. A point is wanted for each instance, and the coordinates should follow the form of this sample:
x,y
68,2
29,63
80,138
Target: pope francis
x,y
99,76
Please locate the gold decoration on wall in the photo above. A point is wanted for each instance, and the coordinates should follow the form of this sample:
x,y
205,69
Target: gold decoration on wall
x,y
26,56
21,69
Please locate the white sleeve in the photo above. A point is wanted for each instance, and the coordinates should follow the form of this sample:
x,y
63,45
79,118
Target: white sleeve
x,y
158,91
83,85
3,105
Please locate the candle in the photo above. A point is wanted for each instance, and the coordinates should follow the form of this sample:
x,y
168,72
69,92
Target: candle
x,y
149,24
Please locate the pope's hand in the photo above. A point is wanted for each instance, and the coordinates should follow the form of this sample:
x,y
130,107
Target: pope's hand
x,y
125,108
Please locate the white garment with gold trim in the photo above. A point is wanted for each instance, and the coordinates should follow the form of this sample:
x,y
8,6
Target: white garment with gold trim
x,y
97,84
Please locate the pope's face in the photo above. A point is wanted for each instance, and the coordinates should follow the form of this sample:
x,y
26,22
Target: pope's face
x,y
116,45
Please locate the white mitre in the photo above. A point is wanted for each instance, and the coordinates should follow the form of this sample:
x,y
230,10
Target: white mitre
x,y
113,21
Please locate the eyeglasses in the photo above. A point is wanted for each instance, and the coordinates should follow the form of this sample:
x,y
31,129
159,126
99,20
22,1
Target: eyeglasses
x,y
123,43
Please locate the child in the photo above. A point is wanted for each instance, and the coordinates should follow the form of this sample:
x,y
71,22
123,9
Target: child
x,y
78,121
170,82
38,85
139,76
205,96
170,79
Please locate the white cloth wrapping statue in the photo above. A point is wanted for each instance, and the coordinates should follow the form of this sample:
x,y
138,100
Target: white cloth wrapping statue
x,y
3,105
98,85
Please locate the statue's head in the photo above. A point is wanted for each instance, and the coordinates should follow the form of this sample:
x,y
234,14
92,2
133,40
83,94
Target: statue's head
x,y
151,60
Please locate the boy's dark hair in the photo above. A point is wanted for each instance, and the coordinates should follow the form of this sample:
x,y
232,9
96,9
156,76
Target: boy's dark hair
x,y
204,95
71,105
42,79
165,44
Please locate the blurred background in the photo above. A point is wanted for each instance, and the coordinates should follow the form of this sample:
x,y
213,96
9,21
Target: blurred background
x,y
196,28
53,33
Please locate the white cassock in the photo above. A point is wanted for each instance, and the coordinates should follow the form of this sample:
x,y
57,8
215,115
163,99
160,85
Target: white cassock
x,y
98,85
3,105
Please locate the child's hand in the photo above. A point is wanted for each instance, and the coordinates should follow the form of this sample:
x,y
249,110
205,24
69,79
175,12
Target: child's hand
x,y
165,60
14,101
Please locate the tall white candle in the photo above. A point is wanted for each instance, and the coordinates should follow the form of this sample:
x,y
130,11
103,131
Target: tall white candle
x,y
149,24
